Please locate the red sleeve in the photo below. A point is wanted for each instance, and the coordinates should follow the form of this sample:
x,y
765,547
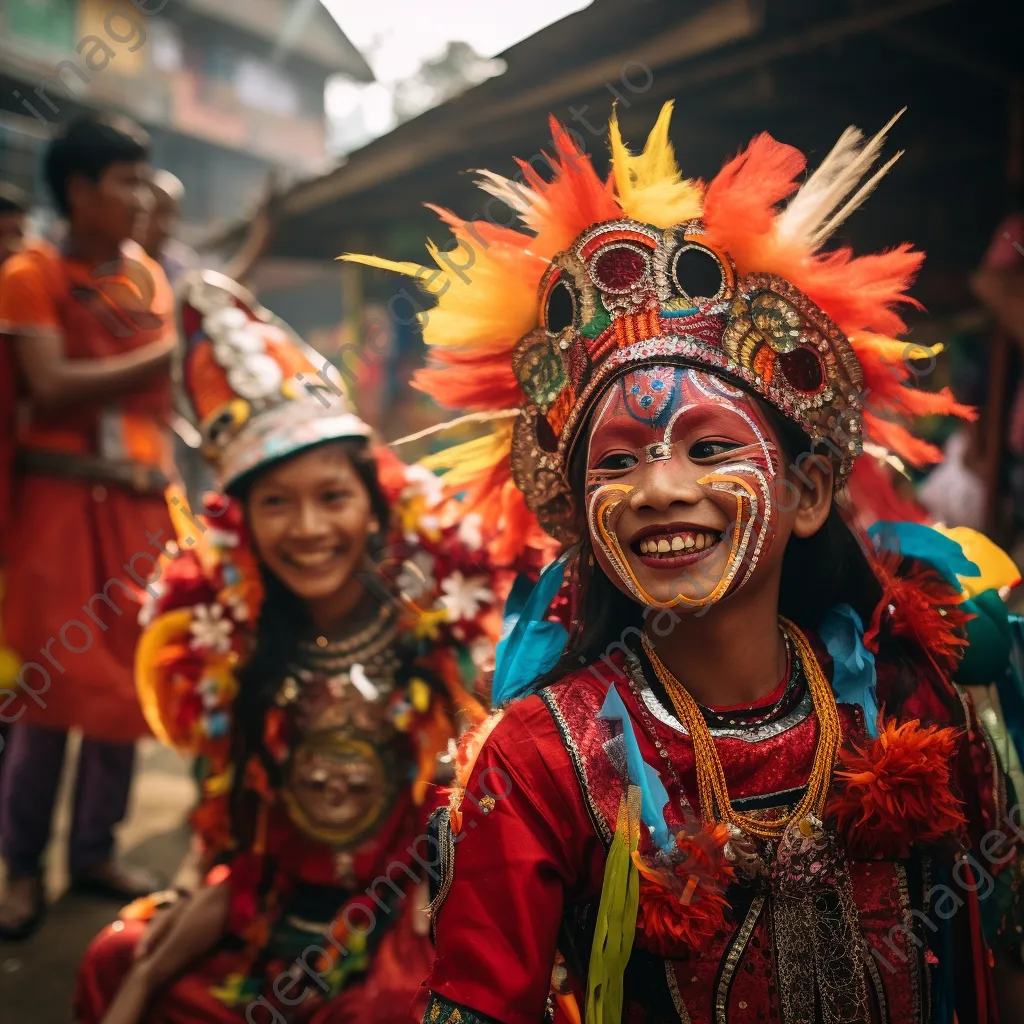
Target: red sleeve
x,y
516,864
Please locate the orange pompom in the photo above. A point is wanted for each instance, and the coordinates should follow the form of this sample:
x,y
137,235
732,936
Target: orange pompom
x,y
895,791
682,901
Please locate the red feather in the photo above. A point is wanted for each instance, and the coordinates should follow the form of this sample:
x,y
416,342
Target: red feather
x,y
874,496
894,792
573,200
924,610
742,197
481,382
899,440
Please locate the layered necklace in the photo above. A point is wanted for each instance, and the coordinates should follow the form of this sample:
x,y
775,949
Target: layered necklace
x,y
368,654
712,791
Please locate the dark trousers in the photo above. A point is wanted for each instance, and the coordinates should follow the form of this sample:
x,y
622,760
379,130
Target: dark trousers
x,y
33,760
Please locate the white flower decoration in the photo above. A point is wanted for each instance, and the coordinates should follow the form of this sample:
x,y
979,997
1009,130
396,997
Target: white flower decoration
x,y
462,597
469,533
210,629
421,482
224,320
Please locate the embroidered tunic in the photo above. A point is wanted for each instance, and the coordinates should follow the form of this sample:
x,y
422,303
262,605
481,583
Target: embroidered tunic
x,y
527,874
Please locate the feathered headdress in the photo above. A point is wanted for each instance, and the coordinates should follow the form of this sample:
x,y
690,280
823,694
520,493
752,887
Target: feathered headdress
x,y
651,267
256,391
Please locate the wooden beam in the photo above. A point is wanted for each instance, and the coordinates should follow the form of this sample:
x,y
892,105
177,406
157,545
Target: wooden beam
x,y
413,145
418,142
950,55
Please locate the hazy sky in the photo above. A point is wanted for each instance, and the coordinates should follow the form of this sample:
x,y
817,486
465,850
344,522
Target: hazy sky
x,y
396,36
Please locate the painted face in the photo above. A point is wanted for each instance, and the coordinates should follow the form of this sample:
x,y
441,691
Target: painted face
x,y
681,468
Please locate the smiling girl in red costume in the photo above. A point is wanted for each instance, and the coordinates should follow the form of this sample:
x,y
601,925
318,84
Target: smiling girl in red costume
x,y
310,640
745,785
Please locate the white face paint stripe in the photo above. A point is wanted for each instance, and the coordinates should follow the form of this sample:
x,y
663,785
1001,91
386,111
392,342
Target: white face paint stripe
x,y
602,412
672,422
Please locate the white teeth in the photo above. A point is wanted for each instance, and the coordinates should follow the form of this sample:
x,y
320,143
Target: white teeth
x,y
312,560
677,542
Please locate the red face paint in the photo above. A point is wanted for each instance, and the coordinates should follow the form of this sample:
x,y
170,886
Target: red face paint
x,y
680,472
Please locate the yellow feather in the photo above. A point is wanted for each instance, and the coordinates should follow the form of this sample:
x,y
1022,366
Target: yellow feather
x,y
487,295
395,266
465,462
650,186
892,350
998,569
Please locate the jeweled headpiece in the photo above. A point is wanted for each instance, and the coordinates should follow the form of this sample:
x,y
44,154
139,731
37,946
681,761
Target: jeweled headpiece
x,y
255,390
648,267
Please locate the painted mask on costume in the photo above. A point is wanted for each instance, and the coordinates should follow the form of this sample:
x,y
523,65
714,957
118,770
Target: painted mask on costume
x,y
681,468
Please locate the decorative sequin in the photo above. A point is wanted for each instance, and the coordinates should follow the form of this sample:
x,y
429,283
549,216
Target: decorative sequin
x,y
618,268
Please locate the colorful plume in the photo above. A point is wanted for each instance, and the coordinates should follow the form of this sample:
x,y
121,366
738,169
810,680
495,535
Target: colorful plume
x,y
760,209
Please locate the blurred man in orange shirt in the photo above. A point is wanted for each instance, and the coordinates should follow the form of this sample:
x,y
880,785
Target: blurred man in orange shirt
x,y
90,330
13,220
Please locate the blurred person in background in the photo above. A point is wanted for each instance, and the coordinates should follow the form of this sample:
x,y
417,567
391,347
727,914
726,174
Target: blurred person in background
x,y
14,207
155,231
156,227
999,285
89,327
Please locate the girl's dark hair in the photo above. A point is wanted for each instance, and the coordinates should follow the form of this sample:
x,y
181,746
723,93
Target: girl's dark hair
x,y
818,572
283,620
88,146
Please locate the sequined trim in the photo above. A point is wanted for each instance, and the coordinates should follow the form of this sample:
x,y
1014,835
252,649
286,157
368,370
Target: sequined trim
x,y
753,734
913,959
441,829
441,1011
732,960
879,987
677,996
600,825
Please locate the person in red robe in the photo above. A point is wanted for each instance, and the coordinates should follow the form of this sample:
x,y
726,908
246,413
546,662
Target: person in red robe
x,y
88,339
731,776
310,640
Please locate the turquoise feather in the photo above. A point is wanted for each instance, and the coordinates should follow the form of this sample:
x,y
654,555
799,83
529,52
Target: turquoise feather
x,y
530,645
913,540
653,795
853,666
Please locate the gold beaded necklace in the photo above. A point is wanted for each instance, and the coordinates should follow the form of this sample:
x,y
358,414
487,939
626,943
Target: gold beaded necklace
x,y
711,785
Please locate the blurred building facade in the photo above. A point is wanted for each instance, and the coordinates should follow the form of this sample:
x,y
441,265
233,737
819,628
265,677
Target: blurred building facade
x,y
227,90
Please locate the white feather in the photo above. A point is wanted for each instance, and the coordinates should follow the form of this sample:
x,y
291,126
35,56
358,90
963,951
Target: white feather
x,y
818,208
517,196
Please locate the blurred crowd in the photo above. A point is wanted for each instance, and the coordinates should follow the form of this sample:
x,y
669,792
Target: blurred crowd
x,y
87,322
